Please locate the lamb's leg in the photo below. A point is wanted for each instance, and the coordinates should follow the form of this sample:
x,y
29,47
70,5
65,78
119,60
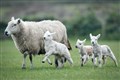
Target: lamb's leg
x,y
48,60
92,57
113,58
24,60
95,61
31,64
104,59
68,57
100,60
46,56
83,60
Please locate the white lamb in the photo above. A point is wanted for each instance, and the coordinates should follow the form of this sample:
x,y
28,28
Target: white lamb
x,y
85,51
101,51
55,48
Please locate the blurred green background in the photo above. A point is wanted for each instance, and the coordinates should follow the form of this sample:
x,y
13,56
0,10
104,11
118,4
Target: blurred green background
x,y
81,17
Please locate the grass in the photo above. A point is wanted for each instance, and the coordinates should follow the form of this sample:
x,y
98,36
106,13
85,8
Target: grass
x,y
11,60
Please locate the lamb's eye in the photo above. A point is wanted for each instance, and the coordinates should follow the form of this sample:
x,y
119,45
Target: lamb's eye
x,y
79,43
14,25
48,35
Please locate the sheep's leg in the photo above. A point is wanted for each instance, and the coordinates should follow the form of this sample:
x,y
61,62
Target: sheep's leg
x,y
31,64
100,60
24,60
46,56
60,64
48,60
56,61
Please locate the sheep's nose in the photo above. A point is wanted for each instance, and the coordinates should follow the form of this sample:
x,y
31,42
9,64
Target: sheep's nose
x,y
6,33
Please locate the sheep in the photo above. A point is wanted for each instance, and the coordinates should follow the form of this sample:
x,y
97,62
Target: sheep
x,y
55,48
85,51
28,36
101,51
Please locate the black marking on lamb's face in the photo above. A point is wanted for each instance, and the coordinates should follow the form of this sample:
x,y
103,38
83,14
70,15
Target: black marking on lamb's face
x,y
6,33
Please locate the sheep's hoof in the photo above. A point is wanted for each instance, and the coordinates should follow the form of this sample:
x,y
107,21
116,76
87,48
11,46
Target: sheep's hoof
x,y
43,61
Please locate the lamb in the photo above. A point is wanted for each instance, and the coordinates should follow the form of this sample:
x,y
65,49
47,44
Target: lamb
x,y
85,51
101,51
55,48
28,36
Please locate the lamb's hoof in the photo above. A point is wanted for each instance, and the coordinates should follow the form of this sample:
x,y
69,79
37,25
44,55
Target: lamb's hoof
x,y
23,67
50,63
81,65
92,60
43,61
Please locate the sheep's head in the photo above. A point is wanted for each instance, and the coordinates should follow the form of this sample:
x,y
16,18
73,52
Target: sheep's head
x,y
80,43
13,26
48,35
94,38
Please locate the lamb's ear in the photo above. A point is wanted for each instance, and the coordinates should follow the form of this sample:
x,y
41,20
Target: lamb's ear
x,y
12,18
98,36
78,39
84,40
18,22
90,35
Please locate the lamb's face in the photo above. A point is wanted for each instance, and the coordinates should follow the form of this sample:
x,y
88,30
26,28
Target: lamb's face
x,y
94,39
80,43
13,27
48,35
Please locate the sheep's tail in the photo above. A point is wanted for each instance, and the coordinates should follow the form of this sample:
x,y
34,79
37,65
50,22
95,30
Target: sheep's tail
x,y
112,56
69,46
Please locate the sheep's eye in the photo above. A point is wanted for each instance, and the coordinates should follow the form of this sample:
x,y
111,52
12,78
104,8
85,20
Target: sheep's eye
x,y
48,35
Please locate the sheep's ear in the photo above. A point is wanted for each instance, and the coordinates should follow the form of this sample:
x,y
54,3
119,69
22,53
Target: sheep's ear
x,y
98,36
84,40
12,18
90,35
18,22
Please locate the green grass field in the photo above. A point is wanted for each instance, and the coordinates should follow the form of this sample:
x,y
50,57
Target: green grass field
x,y
11,60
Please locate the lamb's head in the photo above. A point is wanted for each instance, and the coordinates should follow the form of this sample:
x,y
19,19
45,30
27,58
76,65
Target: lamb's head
x,y
48,35
80,43
13,26
94,39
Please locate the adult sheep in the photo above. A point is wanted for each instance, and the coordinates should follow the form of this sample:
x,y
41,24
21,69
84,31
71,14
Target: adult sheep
x,y
28,36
